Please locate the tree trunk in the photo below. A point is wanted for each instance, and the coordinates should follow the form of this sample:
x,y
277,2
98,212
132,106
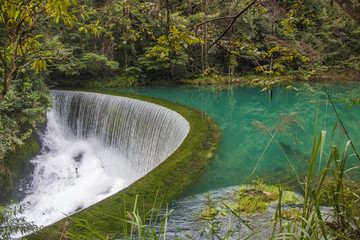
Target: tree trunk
x,y
167,26
7,81
351,8
2,94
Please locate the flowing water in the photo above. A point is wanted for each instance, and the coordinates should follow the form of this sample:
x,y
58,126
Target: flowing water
x,y
94,146
92,150
244,115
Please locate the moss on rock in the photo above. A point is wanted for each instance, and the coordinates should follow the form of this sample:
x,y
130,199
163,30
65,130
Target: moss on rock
x,y
248,200
169,179
255,198
18,164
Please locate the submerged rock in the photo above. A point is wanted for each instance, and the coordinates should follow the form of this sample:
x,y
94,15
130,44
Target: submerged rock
x,y
234,212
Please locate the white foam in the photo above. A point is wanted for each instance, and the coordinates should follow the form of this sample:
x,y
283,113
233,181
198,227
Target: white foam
x,y
71,175
94,146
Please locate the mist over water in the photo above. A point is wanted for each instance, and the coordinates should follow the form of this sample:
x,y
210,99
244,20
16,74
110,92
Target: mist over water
x,y
94,146
71,174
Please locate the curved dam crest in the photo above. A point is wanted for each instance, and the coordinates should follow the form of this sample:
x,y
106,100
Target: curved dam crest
x,y
94,146
184,146
143,133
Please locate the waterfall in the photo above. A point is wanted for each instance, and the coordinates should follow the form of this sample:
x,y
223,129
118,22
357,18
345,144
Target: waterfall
x,y
144,133
94,146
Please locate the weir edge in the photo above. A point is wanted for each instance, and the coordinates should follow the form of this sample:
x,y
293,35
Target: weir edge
x,y
166,182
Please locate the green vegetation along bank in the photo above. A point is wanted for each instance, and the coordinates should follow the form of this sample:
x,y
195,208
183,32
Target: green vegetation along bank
x,y
166,181
112,43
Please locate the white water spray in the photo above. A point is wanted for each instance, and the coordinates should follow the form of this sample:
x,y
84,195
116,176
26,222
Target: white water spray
x,y
94,146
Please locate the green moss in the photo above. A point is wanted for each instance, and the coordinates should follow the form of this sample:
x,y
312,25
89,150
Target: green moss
x,y
252,203
209,213
255,198
18,164
250,199
169,179
291,197
291,214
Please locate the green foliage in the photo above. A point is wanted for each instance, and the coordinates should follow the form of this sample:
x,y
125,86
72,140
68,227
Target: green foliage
x,y
297,17
172,43
24,37
278,58
17,163
114,82
97,65
135,225
156,41
11,223
23,108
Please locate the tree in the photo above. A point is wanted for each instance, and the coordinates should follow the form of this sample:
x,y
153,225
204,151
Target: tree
x,y
11,223
351,8
24,41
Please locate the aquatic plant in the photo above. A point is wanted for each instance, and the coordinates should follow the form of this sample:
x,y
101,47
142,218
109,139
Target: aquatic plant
x,y
285,125
342,221
311,220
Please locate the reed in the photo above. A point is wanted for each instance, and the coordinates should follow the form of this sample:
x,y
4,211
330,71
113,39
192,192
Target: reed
x,y
137,224
341,222
314,223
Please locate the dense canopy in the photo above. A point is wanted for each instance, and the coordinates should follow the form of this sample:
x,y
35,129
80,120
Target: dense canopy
x,y
50,43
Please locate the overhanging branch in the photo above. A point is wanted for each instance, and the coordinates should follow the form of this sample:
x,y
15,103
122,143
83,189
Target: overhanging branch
x,y
234,18
351,8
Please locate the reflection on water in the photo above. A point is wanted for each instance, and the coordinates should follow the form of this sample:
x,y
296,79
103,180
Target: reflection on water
x,y
242,144
248,121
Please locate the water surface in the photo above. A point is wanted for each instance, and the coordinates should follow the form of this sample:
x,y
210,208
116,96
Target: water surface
x,y
244,115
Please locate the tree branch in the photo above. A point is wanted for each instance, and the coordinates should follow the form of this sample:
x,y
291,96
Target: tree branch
x,y
236,54
212,20
352,9
232,23
342,125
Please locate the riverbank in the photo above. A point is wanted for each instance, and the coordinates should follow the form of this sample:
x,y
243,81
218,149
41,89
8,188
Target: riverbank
x,y
165,182
223,80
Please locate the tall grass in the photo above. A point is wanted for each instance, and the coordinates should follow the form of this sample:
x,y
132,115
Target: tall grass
x,y
153,224
339,196
314,223
342,222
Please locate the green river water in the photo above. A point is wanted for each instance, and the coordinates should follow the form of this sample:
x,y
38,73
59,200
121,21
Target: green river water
x,y
293,113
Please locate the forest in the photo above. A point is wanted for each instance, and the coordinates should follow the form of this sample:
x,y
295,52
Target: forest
x,y
126,43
